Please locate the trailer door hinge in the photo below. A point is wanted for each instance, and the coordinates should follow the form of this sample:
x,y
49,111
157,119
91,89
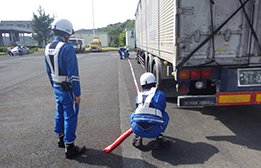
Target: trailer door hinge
x,y
186,11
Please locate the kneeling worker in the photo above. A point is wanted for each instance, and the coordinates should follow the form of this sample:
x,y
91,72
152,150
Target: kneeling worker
x,y
149,120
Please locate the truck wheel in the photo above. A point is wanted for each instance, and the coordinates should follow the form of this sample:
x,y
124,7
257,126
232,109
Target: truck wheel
x,y
155,72
137,58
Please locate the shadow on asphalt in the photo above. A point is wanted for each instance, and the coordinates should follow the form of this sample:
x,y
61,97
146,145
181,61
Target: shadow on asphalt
x,y
244,121
181,152
100,158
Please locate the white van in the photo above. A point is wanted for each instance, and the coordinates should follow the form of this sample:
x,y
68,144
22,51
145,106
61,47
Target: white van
x,y
78,44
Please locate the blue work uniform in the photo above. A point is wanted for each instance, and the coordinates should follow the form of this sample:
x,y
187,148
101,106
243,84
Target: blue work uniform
x,y
20,50
121,49
62,66
126,54
149,119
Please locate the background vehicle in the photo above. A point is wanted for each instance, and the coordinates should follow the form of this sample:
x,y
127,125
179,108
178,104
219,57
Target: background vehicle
x,y
209,51
15,50
95,45
78,44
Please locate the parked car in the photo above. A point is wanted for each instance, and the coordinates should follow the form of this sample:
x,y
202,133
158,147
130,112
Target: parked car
x,y
15,50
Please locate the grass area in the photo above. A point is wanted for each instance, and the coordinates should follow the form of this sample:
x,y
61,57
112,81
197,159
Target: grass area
x,y
3,53
40,50
105,49
110,49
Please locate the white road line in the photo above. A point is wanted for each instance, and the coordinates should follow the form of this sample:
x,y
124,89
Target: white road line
x,y
131,156
134,79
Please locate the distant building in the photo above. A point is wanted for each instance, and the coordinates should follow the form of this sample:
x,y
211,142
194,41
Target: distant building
x,y
14,29
87,36
130,37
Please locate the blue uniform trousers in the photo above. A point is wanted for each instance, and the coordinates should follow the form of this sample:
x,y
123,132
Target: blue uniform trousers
x,y
119,51
153,131
66,116
126,55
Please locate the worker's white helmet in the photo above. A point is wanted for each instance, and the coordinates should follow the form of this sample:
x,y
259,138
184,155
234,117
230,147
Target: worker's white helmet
x,y
147,78
63,25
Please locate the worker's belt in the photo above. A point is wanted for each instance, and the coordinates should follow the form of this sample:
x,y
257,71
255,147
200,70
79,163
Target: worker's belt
x,y
151,111
59,79
66,86
140,119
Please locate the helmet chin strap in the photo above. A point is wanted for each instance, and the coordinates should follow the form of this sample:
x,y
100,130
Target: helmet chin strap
x,y
66,38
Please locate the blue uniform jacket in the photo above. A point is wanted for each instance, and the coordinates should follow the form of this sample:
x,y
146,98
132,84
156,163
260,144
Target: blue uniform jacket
x,y
121,49
68,64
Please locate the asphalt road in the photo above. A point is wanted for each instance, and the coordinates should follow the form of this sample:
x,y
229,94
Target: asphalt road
x,y
200,137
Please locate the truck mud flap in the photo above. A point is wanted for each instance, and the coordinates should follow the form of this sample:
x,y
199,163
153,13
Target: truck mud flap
x,y
185,101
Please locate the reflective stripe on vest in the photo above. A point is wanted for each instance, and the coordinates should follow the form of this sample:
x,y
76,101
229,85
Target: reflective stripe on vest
x,y
144,108
52,55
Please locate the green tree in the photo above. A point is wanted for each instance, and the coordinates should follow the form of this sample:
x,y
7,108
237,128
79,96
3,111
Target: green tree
x,y
114,41
123,38
41,25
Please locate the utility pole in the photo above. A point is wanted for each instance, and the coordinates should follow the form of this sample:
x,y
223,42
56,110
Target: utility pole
x,y
93,20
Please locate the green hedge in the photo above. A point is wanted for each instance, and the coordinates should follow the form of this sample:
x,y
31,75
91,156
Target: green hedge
x,y
34,46
34,49
3,49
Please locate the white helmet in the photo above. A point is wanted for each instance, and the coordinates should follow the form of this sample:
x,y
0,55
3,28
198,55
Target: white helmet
x,y
147,78
63,25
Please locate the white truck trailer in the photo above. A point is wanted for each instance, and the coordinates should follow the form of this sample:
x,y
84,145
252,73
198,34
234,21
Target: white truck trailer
x,y
205,52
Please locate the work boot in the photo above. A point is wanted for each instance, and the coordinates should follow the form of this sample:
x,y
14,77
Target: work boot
x,y
137,141
72,150
160,142
61,142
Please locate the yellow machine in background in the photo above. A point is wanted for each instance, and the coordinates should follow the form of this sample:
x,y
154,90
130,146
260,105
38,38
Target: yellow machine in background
x,y
95,45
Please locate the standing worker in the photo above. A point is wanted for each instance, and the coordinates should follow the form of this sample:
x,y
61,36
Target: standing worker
x,y
149,119
9,51
20,51
62,69
120,50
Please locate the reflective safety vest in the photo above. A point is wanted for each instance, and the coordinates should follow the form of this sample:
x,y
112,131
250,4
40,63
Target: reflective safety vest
x,y
145,108
52,57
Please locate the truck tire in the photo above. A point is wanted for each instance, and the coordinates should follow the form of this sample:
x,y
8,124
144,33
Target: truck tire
x,y
156,70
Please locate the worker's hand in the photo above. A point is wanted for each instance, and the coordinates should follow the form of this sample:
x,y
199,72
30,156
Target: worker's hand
x,y
78,100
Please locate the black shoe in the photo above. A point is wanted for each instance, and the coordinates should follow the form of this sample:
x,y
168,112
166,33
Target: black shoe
x,y
72,150
160,143
137,141
61,142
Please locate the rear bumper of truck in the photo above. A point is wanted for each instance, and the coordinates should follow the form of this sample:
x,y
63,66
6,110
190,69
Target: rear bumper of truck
x,y
226,86
221,99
